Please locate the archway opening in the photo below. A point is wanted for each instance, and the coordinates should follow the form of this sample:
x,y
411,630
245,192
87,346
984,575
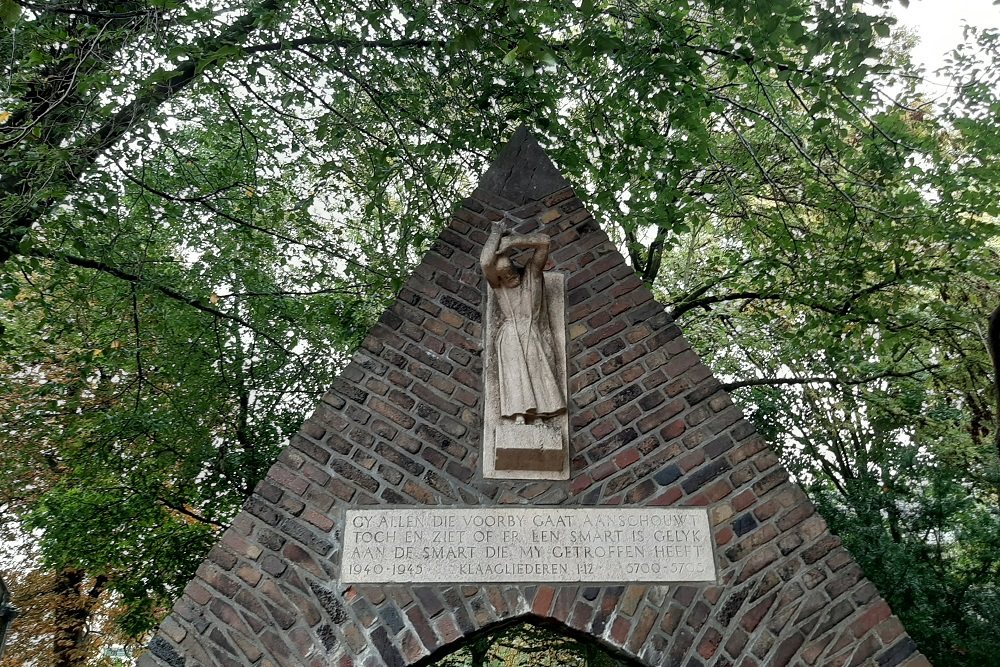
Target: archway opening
x,y
528,642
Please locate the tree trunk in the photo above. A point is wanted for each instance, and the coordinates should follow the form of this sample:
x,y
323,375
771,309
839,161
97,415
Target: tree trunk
x,y
82,155
994,345
479,651
69,644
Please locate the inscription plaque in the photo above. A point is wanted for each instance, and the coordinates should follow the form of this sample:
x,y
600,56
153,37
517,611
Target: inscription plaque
x,y
529,545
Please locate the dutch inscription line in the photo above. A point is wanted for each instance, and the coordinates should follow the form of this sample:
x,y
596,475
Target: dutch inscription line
x,y
536,545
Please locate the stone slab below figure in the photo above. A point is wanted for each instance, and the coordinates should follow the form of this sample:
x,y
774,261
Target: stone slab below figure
x,y
538,449
533,446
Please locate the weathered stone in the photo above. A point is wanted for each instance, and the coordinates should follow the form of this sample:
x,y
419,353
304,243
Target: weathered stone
x,y
526,545
525,425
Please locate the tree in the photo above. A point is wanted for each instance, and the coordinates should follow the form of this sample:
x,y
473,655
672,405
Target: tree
x,y
61,608
855,331
193,239
137,408
523,644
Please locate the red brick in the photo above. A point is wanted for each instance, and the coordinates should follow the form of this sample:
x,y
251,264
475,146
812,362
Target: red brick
x,y
564,603
751,619
543,600
747,449
626,458
673,429
580,483
659,416
709,643
786,650
743,500
641,631
690,461
619,631
724,536
757,562
766,461
889,630
446,629
668,497
870,619
795,516
321,521
718,490
241,546
287,479
603,429
838,559
629,602
766,510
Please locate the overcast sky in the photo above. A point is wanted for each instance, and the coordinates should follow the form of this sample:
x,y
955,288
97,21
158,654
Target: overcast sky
x,y
939,26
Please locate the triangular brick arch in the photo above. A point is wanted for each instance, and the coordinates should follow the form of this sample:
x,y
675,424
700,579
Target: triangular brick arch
x,y
649,426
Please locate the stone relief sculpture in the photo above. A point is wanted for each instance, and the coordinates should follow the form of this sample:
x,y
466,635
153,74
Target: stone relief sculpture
x,y
528,380
525,421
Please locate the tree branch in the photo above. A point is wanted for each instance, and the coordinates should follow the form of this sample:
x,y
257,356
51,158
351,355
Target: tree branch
x,y
704,302
197,304
819,379
162,87
845,306
180,509
79,11
203,202
993,342
654,255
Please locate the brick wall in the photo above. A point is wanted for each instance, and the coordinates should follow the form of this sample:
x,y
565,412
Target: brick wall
x,y
650,426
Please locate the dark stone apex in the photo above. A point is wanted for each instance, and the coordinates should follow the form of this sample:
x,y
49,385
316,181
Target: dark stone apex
x,y
650,427
523,172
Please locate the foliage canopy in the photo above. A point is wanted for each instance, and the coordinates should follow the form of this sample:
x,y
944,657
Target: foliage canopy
x,y
202,208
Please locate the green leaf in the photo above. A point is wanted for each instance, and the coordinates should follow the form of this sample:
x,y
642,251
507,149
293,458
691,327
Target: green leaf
x,y
10,13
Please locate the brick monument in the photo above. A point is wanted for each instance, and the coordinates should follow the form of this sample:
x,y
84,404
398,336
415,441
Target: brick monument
x,y
677,538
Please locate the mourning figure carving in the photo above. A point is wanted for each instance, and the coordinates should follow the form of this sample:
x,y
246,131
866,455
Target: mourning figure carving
x,y
529,384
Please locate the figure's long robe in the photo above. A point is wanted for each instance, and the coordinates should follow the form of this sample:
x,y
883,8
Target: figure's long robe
x,y
526,358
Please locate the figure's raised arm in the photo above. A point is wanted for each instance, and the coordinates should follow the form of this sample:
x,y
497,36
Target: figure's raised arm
x,y
540,242
491,252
